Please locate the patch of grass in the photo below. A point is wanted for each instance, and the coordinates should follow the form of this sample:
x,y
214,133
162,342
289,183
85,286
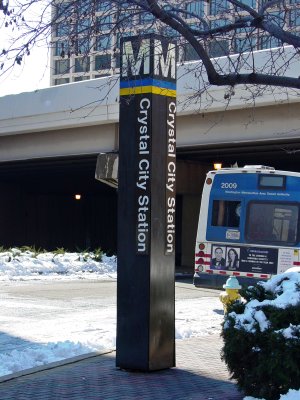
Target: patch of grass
x,y
59,251
98,254
32,249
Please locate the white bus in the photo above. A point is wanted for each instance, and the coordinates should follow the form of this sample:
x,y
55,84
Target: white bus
x,y
248,225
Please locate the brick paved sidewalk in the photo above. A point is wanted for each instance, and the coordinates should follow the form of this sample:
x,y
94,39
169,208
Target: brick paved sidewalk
x,y
199,375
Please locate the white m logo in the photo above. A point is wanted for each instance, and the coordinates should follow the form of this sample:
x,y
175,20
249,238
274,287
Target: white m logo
x,y
164,63
132,63
141,62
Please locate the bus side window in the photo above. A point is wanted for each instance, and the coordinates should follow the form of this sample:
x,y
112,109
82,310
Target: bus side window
x,y
226,213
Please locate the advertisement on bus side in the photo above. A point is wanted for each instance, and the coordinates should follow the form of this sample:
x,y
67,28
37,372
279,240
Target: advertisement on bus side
x,y
244,259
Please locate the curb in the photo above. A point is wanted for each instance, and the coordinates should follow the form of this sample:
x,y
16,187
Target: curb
x,y
55,364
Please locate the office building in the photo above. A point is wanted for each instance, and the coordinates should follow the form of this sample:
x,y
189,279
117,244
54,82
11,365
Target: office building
x,y
86,33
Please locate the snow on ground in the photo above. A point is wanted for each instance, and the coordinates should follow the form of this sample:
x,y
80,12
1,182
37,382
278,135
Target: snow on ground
x,y
26,265
62,332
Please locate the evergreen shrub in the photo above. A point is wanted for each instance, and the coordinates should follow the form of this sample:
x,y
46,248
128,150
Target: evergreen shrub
x,y
262,337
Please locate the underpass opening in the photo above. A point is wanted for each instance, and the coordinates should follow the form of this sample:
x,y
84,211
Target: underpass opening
x,y
38,205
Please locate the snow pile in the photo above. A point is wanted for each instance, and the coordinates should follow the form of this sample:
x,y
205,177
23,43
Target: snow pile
x,y
21,265
285,288
41,355
290,395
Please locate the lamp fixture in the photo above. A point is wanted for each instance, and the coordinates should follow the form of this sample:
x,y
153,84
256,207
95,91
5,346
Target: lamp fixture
x,y
77,196
217,165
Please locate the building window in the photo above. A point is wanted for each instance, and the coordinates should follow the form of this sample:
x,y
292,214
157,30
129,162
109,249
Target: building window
x,y
63,29
62,48
101,75
63,9
103,61
146,18
62,66
195,7
170,33
219,7
218,48
268,42
84,7
277,17
82,64
294,18
83,46
81,78
126,12
249,3
61,81
217,23
244,44
103,23
103,5
83,26
118,59
190,53
103,42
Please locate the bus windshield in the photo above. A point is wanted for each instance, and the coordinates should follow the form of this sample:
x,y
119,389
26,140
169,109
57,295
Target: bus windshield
x,y
272,223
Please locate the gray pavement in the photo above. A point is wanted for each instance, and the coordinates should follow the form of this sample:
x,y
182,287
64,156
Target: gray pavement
x,y
199,375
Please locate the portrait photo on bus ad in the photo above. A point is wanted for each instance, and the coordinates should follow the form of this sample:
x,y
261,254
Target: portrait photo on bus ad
x,y
218,257
232,258
225,258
